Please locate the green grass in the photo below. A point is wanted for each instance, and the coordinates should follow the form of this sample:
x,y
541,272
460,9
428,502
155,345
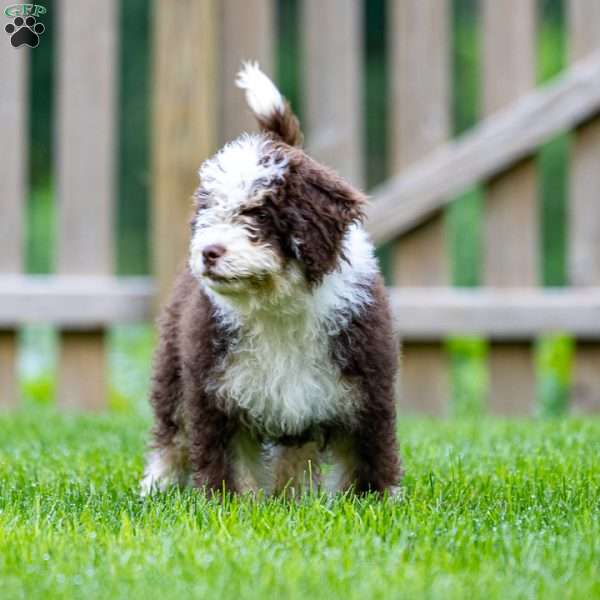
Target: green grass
x,y
491,510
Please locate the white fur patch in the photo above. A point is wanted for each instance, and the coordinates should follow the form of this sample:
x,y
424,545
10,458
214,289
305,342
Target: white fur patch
x,y
234,179
230,177
164,467
345,291
283,377
279,369
242,258
262,95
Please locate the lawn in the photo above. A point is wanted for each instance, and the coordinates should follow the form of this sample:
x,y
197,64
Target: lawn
x,y
492,509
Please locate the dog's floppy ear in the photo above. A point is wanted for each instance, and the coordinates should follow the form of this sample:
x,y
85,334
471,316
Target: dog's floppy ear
x,y
320,207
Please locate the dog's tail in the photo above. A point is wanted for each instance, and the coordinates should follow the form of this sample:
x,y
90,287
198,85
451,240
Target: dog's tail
x,y
271,109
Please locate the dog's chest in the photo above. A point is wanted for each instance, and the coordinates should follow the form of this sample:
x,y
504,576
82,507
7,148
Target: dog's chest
x,y
284,381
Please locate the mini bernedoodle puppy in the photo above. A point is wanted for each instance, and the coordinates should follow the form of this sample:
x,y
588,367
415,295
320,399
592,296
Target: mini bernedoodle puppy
x,y
276,349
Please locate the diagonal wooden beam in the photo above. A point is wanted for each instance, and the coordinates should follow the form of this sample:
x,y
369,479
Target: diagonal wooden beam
x,y
504,138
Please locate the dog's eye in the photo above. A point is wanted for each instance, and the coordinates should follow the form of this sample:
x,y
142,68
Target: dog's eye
x,y
261,216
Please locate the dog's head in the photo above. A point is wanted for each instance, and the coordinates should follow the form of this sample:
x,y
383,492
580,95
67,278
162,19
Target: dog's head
x,y
265,211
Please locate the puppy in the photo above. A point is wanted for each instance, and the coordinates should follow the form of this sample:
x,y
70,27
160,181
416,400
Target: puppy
x,y
276,349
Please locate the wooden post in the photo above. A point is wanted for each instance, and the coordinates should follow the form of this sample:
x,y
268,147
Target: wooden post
x,y
333,84
247,35
184,124
14,65
420,121
87,95
8,370
511,224
584,208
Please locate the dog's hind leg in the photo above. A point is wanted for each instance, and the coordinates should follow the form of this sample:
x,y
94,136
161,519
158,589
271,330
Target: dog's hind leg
x,y
376,450
367,354
166,463
365,460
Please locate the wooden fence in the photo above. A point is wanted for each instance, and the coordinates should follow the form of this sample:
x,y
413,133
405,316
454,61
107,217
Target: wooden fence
x,y
511,310
196,108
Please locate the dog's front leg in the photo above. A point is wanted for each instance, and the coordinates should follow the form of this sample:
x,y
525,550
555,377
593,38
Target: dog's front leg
x,y
366,456
364,459
210,434
378,463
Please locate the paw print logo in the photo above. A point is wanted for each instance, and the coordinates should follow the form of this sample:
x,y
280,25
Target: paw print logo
x,y
25,32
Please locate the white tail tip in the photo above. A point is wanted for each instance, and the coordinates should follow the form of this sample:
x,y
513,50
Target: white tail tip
x,y
262,95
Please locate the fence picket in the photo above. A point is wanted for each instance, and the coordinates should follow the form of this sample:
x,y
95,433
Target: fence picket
x,y
13,116
184,124
247,34
420,121
332,84
584,217
8,365
511,225
86,123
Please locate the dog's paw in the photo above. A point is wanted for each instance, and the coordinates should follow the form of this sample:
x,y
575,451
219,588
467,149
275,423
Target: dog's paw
x,y
159,474
150,485
147,487
396,493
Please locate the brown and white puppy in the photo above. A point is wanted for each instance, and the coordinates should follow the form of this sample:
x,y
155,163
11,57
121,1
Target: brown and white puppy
x,y
276,348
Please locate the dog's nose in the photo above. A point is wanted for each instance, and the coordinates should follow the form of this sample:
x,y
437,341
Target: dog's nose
x,y
212,253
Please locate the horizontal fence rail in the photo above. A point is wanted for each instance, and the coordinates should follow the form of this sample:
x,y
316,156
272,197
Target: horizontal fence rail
x,y
499,314
75,302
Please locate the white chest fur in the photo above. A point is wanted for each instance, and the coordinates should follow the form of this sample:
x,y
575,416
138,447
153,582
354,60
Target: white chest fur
x,y
284,379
